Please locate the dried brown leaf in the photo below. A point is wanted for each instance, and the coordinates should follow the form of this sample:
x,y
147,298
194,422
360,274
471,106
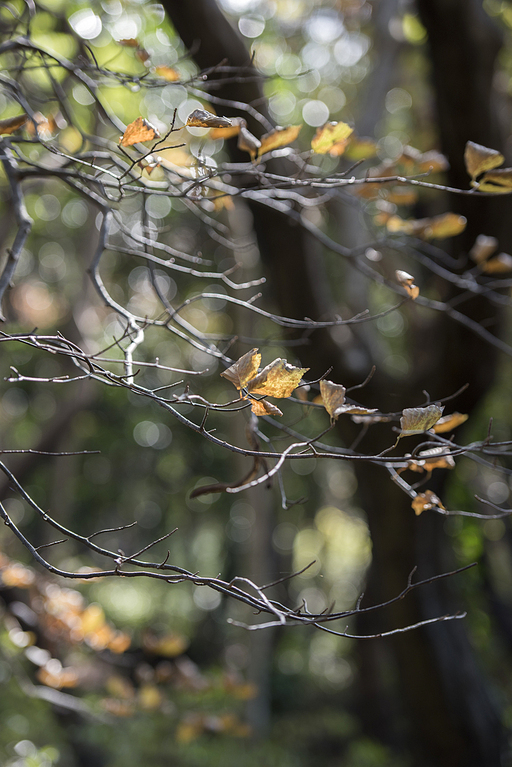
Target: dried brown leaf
x,y
245,368
416,420
11,124
278,379
406,280
333,399
480,158
279,137
424,501
167,73
483,248
200,118
236,124
137,132
262,407
129,42
332,138
449,422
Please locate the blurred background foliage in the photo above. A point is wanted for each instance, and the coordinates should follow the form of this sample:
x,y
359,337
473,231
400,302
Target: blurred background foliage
x,y
190,689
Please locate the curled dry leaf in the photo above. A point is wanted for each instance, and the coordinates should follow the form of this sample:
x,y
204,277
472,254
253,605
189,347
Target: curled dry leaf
x,y
233,130
438,227
416,420
200,118
332,138
167,73
501,264
428,460
11,124
279,137
262,407
137,132
449,422
406,280
333,399
245,368
478,159
497,181
483,248
278,379
424,501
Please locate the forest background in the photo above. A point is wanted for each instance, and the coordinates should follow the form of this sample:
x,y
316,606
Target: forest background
x,y
117,253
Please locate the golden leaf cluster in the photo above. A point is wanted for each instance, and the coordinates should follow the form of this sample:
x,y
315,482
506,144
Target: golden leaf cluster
x,y
278,379
482,164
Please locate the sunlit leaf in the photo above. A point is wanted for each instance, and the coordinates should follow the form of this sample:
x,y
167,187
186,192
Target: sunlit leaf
x,y
279,137
236,124
480,158
445,225
449,422
245,368
139,131
262,407
11,124
428,460
333,399
501,264
497,181
416,420
332,138
167,73
424,501
278,379
200,118
361,148
406,280
483,248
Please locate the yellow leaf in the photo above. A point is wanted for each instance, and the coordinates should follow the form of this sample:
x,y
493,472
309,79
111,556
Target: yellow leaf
x,y
428,460
416,420
245,368
406,280
497,181
278,379
333,399
480,158
167,73
361,148
445,225
119,643
483,248
424,501
92,619
498,265
225,201
11,124
279,137
262,407
139,131
401,196
449,422
200,118
236,124
332,138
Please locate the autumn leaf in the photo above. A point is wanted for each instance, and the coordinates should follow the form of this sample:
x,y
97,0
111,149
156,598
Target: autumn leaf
x,y
449,422
245,368
279,137
445,225
332,138
57,678
480,158
361,148
200,118
11,124
406,280
401,196
233,130
483,248
167,73
142,55
139,131
247,142
497,181
333,399
129,42
428,460
424,501
278,379
501,264
262,407
416,420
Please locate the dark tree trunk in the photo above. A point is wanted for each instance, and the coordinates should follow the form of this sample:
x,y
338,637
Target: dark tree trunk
x,y
451,718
